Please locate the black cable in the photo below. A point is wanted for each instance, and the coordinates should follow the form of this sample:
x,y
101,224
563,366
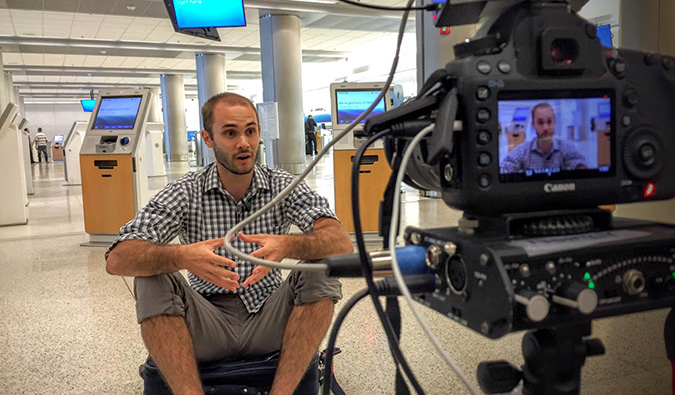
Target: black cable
x,y
328,362
367,269
428,7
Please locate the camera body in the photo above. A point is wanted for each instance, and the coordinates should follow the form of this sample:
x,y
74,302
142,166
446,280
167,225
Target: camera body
x,y
611,111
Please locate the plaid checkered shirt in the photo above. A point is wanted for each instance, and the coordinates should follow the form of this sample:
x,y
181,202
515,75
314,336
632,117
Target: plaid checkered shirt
x,y
196,207
563,155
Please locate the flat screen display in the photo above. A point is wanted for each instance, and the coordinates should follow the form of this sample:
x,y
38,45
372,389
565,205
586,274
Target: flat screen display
x,y
58,139
604,33
351,103
88,105
209,13
565,136
118,112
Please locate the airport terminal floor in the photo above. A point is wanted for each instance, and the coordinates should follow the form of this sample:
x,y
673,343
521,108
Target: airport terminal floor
x,y
70,328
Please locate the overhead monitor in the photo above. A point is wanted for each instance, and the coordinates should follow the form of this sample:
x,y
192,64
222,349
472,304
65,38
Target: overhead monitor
x,y
117,112
191,14
350,103
88,105
604,33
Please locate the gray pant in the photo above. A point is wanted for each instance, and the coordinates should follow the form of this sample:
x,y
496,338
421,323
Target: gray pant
x,y
220,326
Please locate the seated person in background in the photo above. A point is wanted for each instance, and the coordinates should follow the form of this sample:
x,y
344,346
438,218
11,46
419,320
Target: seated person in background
x,y
230,309
544,151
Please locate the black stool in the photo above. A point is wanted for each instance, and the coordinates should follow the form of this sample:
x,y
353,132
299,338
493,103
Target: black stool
x,y
233,377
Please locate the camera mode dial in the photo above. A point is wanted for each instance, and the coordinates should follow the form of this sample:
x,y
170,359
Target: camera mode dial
x,y
642,152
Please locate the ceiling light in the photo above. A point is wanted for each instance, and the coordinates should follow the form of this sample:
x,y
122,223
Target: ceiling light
x,y
131,7
103,52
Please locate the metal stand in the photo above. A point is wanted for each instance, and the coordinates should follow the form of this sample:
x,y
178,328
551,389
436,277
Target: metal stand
x,y
553,361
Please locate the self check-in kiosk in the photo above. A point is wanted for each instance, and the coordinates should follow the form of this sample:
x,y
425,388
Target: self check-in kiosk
x,y
348,101
71,152
154,140
26,147
112,163
57,148
13,199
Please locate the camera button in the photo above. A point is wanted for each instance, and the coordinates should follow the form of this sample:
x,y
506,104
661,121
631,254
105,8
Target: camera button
x,y
647,154
504,66
483,67
483,93
484,180
484,159
618,67
626,121
630,98
651,59
483,115
483,137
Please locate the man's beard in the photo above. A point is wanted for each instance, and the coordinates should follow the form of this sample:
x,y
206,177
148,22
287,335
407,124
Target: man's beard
x,y
228,163
546,140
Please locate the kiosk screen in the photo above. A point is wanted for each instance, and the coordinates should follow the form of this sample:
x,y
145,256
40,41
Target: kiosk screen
x,y
117,112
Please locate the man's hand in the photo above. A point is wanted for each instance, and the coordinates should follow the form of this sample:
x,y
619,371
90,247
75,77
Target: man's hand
x,y
200,259
273,248
258,273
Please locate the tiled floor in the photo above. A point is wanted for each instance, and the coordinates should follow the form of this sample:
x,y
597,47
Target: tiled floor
x,y
69,328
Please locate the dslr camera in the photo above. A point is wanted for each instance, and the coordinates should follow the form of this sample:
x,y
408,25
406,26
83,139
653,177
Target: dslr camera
x,y
550,118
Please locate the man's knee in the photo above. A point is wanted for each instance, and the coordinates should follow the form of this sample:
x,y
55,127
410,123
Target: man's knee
x,y
313,286
163,294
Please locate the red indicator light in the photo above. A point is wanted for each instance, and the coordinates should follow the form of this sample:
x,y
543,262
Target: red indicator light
x,y
649,190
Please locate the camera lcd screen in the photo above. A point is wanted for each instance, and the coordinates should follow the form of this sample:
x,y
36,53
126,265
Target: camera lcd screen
x,y
117,112
351,103
562,136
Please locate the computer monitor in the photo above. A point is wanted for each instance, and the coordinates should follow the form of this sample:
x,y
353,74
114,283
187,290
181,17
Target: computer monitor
x,y
88,105
58,139
209,13
117,112
350,103
604,33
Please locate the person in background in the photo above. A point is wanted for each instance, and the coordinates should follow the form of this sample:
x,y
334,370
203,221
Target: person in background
x,y
41,141
32,158
544,151
310,132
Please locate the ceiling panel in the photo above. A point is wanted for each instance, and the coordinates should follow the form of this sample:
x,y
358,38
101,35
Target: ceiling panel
x,y
96,7
33,58
61,5
11,58
54,59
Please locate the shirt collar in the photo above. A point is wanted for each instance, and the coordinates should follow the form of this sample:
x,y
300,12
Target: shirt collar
x,y
259,181
554,147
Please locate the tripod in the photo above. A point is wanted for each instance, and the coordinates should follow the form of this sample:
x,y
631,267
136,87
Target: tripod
x,y
553,361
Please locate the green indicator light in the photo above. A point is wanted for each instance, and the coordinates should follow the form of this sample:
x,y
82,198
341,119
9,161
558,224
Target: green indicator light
x,y
591,285
673,274
587,276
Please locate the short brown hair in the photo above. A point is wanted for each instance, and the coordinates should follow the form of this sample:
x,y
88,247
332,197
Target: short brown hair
x,y
230,98
542,105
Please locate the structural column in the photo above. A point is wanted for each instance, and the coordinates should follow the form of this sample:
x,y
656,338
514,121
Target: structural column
x,y
282,83
434,50
175,129
155,114
4,97
211,80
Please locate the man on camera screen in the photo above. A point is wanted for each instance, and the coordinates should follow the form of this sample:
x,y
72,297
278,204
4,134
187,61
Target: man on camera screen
x,y
544,151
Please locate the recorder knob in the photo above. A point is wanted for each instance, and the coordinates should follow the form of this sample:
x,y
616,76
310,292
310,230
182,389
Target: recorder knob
x,y
577,296
536,305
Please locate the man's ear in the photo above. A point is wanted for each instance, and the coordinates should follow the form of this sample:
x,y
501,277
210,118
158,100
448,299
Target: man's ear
x,y
207,138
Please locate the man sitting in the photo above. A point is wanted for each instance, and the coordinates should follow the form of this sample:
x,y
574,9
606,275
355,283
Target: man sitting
x,y
230,309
